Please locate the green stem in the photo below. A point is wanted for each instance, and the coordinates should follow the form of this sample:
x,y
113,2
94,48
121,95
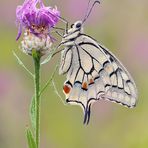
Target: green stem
x,y
36,57
49,80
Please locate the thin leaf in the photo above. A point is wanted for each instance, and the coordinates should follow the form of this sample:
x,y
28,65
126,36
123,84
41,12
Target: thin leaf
x,y
21,63
48,57
30,138
32,113
56,91
49,80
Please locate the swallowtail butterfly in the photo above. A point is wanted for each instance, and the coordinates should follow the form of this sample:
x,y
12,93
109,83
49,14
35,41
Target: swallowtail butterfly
x,y
93,72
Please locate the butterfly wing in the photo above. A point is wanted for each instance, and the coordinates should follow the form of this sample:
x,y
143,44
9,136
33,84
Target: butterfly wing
x,y
123,90
94,73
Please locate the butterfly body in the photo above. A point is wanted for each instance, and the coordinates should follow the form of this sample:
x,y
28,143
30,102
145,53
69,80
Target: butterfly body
x,y
93,72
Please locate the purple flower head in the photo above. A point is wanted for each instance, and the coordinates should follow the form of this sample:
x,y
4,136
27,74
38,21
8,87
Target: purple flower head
x,y
36,18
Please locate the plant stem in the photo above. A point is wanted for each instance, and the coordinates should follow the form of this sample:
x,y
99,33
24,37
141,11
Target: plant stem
x,y
36,58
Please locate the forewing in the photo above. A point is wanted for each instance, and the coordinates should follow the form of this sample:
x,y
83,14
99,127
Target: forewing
x,y
66,60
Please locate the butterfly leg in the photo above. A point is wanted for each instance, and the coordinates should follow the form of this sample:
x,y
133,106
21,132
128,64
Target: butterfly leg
x,y
66,26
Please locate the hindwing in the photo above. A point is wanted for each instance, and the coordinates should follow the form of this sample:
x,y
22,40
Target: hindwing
x,y
94,73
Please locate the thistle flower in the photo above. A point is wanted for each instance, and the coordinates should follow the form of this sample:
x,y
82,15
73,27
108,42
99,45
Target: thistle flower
x,y
37,20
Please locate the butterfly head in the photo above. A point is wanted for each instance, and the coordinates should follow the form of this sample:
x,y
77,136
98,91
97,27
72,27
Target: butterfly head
x,y
77,25
71,35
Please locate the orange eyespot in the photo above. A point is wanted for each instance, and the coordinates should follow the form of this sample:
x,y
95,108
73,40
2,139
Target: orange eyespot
x,y
91,81
84,86
66,89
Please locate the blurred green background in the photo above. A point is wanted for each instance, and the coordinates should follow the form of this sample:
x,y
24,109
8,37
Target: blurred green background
x,y
122,26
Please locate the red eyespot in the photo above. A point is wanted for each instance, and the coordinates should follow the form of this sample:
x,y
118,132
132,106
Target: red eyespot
x,y
91,81
66,89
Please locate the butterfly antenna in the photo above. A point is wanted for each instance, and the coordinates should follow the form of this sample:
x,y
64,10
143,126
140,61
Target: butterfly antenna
x,y
88,14
87,8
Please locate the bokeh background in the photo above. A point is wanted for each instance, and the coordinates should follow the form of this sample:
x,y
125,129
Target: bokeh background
x,y
122,26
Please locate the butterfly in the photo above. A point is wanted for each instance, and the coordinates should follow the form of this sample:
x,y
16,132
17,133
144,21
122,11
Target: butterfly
x,y
93,72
